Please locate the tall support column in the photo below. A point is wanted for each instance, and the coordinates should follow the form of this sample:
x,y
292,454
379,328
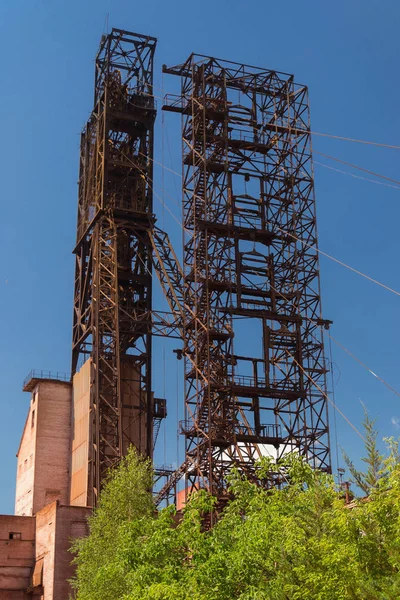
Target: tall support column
x,y
113,276
255,369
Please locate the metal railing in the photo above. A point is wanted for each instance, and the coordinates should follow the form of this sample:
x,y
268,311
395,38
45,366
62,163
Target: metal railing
x,y
266,430
170,468
175,101
283,384
36,374
248,381
271,430
186,425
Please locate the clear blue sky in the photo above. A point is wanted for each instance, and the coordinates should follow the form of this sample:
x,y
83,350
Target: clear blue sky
x,y
346,52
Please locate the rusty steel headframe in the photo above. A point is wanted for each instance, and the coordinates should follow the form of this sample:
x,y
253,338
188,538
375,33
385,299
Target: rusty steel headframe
x,y
250,265
112,317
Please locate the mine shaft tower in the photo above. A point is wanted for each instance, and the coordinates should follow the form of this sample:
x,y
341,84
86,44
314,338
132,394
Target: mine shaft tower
x,y
113,275
246,302
255,372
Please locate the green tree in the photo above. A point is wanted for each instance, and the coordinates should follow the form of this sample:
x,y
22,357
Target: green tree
x,y
100,558
296,543
368,480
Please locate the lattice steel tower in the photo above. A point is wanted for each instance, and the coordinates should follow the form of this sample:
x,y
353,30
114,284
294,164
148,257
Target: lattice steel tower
x,y
113,277
255,369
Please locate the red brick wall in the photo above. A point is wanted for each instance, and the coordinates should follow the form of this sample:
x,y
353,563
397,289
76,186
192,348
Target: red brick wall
x,y
17,556
52,444
71,523
45,546
56,526
17,595
44,453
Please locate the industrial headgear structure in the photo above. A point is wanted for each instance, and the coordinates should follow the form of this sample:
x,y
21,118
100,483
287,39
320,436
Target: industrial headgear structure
x,y
250,264
112,323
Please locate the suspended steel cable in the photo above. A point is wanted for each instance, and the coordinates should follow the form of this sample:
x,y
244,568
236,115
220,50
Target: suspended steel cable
x,y
349,164
378,377
334,414
394,187
348,139
325,332
332,401
326,396
343,264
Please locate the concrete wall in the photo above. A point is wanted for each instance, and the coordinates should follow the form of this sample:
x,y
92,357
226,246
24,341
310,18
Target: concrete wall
x,y
134,428
80,436
43,456
17,556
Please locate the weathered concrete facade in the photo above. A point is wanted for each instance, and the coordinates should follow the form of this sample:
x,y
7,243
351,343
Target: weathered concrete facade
x,y
80,421
134,424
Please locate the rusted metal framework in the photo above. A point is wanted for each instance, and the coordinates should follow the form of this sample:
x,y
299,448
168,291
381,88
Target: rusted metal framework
x,y
112,321
255,372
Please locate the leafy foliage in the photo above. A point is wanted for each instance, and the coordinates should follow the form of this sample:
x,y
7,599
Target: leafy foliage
x,y
124,504
297,543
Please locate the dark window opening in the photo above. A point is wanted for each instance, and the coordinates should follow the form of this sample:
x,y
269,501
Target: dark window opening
x,y
14,535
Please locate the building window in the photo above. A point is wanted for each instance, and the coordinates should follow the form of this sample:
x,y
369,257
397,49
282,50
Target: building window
x,y
15,535
33,419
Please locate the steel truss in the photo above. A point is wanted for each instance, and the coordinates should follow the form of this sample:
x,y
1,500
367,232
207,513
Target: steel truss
x,y
112,323
250,264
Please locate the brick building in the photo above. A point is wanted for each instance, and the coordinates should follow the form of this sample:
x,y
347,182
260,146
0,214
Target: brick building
x,y
51,490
